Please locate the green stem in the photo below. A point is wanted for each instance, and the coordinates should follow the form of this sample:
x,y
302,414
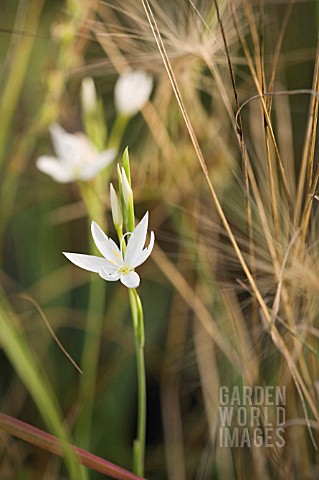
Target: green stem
x,y
138,323
117,131
139,335
90,357
93,332
139,443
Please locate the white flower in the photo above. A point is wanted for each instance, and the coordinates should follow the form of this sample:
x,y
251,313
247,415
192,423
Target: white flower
x,y
132,90
116,266
77,158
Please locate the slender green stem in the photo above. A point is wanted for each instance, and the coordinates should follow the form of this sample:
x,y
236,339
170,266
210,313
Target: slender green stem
x,y
117,131
139,453
138,322
90,356
94,325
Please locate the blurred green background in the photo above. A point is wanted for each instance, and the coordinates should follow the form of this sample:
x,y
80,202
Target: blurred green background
x,y
46,49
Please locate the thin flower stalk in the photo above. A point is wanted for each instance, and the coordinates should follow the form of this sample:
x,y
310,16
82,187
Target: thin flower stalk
x,y
139,336
139,443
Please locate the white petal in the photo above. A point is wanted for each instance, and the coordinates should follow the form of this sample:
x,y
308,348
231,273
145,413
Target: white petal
x,y
53,167
68,147
106,157
145,253
130,280
113,277
88,262
106,245
91,169
136,241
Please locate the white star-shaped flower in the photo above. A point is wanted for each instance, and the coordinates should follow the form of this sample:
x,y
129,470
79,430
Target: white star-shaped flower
x,y
76,157
114,265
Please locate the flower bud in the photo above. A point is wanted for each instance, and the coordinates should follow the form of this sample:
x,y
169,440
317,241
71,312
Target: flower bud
x,y
127,191
88,95
116,209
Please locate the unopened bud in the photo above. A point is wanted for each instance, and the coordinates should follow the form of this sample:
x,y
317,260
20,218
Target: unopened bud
x,y
116,208
126,188
88,95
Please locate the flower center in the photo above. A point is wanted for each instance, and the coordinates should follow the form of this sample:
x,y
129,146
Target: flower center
x,y
125,269
76,170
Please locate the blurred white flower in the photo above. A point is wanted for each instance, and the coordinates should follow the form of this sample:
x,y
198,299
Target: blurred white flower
x,y
116,266
76,157
132,90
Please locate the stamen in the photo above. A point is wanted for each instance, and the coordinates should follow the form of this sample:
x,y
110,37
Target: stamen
x,y
123,269
115,253
122,240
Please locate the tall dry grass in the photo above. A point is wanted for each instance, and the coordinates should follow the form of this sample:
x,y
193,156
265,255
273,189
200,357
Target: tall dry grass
x,y
228,168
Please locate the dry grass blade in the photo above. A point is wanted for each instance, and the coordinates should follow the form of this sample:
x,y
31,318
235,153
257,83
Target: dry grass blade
x,y
241,141
264,106
299,91
308,204
278,50
276,303
306,170
47,324
194,302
